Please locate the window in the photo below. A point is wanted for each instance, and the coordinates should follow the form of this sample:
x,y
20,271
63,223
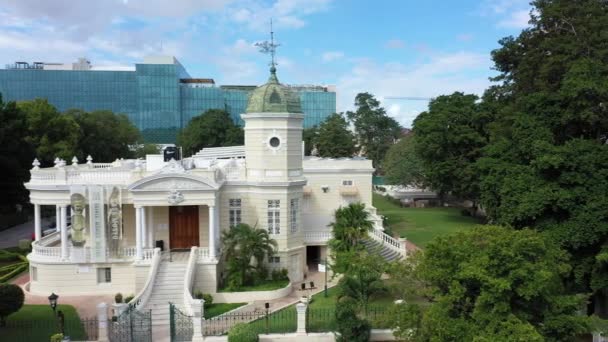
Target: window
x,y
104,275
274,260
234,211
347,182
293,213
34,273
274,219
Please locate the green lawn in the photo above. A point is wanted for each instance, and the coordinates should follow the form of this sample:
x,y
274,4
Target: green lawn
x,y
265,286
217,309
421,225
37,323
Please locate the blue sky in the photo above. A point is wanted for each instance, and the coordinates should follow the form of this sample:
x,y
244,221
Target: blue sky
x,y
389,48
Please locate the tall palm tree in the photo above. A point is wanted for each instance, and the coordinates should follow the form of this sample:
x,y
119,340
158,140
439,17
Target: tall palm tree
x,y
243,246
351,224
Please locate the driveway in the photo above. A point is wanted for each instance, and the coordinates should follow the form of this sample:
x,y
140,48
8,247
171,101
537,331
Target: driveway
x,y
10,237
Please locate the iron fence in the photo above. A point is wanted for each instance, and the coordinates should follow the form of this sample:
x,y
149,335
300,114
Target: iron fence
x,y
278,322
324,319
41,329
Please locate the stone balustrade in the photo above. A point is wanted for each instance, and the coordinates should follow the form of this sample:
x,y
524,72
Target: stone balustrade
x,y
321,236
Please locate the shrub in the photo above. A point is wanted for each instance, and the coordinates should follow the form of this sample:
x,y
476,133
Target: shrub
x,y
11,300
349,327
57,337
129,298
8,256
242,332
208,298
118,298
260,275
25,244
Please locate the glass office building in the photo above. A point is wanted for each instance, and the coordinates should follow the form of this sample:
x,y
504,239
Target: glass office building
x,y
158,96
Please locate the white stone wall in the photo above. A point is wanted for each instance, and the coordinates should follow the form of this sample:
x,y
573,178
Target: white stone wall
x,y
74,279
205,278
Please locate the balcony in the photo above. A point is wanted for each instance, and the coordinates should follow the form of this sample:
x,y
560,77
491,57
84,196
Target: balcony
x,y
48,250
317,237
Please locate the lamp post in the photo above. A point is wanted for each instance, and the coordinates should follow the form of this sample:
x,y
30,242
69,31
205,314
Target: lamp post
x,y
53,302
326,269
58,314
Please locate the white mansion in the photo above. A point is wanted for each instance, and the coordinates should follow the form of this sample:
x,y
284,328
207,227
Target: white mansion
x,y
122,211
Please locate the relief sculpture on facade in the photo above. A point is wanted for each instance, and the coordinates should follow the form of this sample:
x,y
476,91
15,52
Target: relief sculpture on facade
x,y
114,220
78,202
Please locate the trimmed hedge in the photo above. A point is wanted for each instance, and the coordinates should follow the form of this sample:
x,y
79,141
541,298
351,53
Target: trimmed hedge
x,y
242,332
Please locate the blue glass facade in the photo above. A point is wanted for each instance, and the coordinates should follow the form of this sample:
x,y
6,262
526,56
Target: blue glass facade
x,y
157,98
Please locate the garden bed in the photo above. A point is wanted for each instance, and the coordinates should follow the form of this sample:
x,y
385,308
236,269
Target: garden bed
x,y
38,323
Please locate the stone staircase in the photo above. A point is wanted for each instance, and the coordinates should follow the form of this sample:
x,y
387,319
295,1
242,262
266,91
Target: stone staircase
x,y
376,247
168,287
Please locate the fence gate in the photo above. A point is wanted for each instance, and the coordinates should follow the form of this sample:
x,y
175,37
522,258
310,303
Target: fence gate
x,y
180,325
131,326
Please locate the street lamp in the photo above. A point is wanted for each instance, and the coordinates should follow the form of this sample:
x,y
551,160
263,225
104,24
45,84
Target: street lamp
x,y
326,270
53,302
58,314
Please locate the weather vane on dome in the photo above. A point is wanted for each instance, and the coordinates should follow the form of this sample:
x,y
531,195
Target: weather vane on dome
x,y
269,47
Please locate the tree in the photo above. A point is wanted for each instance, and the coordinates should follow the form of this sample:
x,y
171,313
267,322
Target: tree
x,y
351,224
104,135
363,280
374,129
11,300
334,139
145,149
349,327
492,284
16,156
309,136
450,137
213,128
242,245
547,164
50,133
402,166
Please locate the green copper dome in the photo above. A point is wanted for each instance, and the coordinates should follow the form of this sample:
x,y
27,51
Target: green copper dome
x,y
273,97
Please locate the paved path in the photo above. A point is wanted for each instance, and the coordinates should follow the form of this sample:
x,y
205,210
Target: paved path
x,y
10,237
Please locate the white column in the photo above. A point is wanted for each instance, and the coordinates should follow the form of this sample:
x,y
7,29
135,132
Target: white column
x,y
150,227
64,231
138,237
197,318
57,218
217,228
37,226
212,231
301,318
102,318
144,228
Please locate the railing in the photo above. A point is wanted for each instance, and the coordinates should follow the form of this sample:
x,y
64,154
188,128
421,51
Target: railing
x,y
203,254
141,299
189,302
317,236
388,241
42,252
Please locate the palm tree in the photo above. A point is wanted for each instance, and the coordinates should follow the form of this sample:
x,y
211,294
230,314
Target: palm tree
x,y
243,246
350,226
363,280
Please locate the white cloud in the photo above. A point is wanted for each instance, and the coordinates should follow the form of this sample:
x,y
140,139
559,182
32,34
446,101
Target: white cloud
x,y
395,44
331,56
442,74
286,14
516,20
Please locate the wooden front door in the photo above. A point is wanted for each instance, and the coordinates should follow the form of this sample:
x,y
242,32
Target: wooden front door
x,y
183,226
